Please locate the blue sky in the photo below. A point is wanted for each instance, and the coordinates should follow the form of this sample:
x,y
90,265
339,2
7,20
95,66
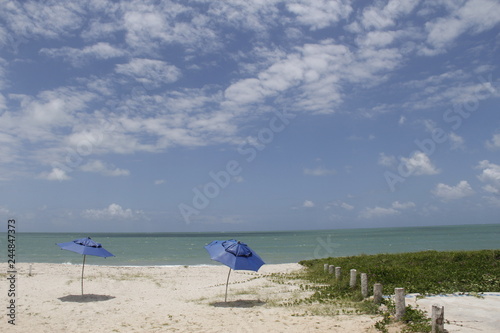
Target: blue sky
x,y
145,116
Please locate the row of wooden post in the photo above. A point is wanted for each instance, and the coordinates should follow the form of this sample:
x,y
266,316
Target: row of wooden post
x,y
399,298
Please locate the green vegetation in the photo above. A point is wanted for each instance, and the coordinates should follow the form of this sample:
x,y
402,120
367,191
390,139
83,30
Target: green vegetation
x,y
428,272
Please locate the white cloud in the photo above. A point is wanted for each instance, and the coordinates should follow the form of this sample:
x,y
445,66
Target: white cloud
x,y
38,119
448,193
386,160
319,171
319,14
3,81
9,148
55,174
456,141
308,204
113,211
315,73
492,201
377,212
490,175
4,37
404,205
449,90
340,204
46,19
419,164
4,210
380,16
80,57
346,206
2,98
159,181
494,143
149,72
100,167
150,27
256,16
474,16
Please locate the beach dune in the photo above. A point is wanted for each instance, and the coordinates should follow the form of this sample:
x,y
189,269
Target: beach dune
x,y
165,299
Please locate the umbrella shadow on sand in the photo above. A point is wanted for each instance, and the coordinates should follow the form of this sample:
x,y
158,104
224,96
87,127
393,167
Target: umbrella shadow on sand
x,y
87,298
238,304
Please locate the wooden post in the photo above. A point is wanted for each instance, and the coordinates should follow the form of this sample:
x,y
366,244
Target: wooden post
x,y
325,267
338,272
437,318
400,302
352,281
364,285
377,293
30,271
331,269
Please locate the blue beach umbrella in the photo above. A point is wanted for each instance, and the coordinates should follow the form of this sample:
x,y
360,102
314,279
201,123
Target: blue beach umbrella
x,y
234,254
85,246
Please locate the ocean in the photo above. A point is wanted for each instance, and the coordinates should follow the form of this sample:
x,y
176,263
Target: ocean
x,y
159,249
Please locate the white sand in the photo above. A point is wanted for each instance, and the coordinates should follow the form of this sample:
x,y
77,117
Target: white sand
x,y
165,299
464,313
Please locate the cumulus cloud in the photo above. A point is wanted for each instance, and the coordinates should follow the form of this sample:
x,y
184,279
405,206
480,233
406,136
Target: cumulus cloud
x,y
308,204
419,164
102,168
494,143
113,211
55,174
490,176
449,193
378,212
386,160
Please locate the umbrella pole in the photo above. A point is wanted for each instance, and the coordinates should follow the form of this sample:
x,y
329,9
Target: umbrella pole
x,y
227,283
83,267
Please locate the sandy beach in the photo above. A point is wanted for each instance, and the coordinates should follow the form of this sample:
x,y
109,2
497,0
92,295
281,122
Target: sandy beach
x,y
165,299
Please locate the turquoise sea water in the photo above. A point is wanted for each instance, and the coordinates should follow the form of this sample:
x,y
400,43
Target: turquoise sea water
x,y
138,249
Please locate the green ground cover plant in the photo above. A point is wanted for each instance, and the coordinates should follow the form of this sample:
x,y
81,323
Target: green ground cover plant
x,y
426,273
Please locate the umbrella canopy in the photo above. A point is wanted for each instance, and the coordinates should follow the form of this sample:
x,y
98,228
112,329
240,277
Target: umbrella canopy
x,y
85,246
234,254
